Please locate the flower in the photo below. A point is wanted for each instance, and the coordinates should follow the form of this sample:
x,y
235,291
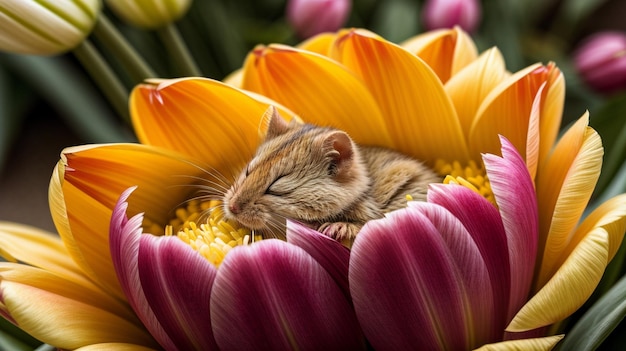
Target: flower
x,y
149,14
51,297
601,61
449,13
311,17
468,93
469,96
457,242
259,290
45,28
197,133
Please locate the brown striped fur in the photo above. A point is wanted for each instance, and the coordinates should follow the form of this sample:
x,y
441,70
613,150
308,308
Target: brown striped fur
x,y
320,177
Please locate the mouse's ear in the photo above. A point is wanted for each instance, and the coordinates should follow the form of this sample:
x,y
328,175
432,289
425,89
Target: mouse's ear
x,y
339,147
276,125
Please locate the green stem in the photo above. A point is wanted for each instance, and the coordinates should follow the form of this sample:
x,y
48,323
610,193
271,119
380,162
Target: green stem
x,y
176,47
136,66
105,78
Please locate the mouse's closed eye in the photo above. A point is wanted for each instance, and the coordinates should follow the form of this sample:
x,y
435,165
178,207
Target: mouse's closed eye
x,y
280,186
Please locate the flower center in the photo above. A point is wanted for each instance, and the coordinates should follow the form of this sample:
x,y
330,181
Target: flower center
x,y
471,176
201,225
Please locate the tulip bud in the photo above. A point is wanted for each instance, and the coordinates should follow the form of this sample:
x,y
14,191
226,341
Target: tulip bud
x,y
449,13
149,14
311,17
601,61
45,27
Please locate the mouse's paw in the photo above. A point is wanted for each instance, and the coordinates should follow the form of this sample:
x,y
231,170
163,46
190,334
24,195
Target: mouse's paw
x,y
340,231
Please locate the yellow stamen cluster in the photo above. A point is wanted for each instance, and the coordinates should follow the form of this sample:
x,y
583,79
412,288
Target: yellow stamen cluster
x,y
471,176
200,225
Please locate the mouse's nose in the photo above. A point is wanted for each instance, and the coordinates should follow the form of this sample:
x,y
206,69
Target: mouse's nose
x,y
234,208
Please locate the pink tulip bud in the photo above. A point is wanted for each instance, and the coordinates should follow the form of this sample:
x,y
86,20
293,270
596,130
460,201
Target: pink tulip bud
x,y
601,61
449,13
311,17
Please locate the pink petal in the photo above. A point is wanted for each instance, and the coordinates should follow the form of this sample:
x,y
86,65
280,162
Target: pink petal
x,y
515,195
273,296
177,283
484,224
472,270
329,253
124,239
406,288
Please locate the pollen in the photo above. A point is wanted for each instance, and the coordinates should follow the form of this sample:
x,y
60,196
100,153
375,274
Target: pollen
x,y
201,225
471,176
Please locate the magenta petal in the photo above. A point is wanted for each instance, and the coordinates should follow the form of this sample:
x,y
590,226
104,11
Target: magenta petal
x,y
515,194
406,288
272,295
329,253
124,239
472,271
484,224
177,283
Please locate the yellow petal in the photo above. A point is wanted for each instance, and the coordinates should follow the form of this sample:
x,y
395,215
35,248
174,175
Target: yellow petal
x,y
318,89
64,322
471,85
419,114
506,111
37,248
569,288
533,137
536,344
202,118
564,188
611,216
103,172
234,78
319,44
446,51
87,183
81,290
553,99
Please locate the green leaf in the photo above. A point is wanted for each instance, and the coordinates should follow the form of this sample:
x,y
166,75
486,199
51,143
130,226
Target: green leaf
x,y
8,120
134,64
396,20
571,16
216,26
8,342
576,10
601,319
13,338
610,123
198,44
15,99
178,52
501,27
66,88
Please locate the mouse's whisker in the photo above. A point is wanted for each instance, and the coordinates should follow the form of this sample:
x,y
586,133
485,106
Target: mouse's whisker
x,y
211,192
204,190
212,212
276,226
211,172
218,185
202,197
